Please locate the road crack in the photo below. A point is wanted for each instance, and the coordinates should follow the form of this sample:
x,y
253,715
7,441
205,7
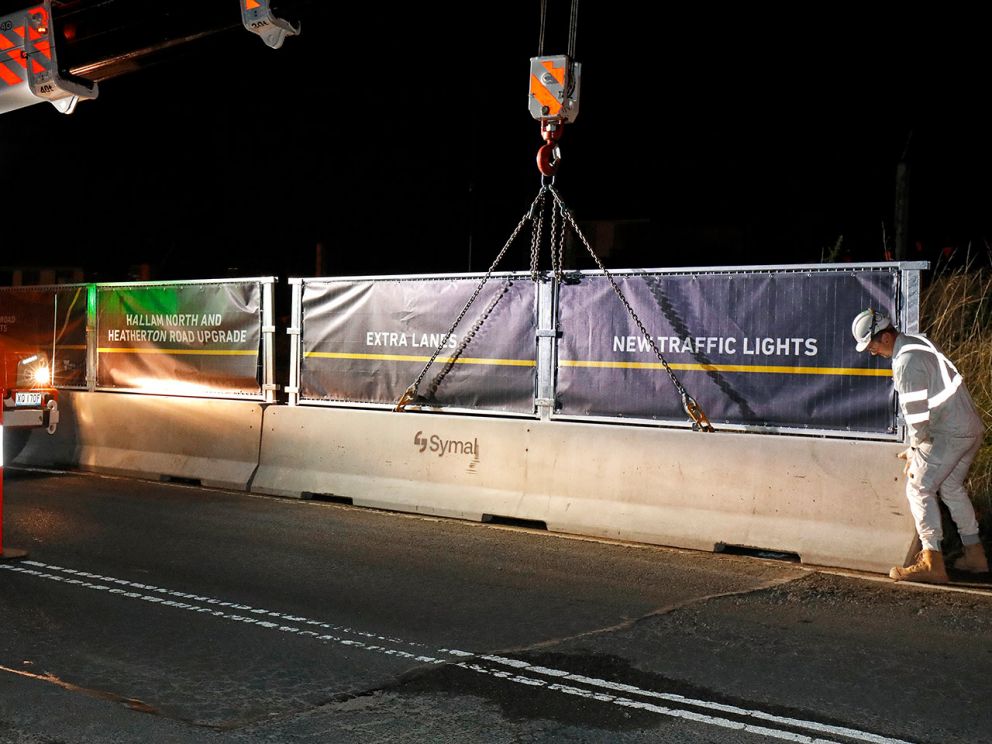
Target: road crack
x,y
132,703
665,610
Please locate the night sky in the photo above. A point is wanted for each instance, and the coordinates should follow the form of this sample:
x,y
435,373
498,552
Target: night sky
x,y
400,140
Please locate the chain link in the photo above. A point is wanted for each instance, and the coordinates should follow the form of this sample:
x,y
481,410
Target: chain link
x,y
537,224
557,227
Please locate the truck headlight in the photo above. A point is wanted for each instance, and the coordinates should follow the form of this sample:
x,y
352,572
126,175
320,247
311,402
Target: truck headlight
x,y
33,371
42,376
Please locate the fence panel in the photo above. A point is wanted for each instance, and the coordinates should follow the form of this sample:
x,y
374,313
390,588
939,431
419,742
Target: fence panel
x,y
365,340
757,349
185,338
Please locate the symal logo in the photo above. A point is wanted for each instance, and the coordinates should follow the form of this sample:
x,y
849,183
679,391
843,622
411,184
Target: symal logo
x,y
447,447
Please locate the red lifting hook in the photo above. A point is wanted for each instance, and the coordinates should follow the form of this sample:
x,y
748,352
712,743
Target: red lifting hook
x,y
549,156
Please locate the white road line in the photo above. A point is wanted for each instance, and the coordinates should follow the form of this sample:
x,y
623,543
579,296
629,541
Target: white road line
x,y
303,627
253,616
687,715
210,601
681,699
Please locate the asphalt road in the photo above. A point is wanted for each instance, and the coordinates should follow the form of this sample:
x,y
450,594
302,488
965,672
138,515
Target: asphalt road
x,y
149,612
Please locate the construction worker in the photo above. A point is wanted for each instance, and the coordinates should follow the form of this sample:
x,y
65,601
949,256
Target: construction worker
x,y
946,432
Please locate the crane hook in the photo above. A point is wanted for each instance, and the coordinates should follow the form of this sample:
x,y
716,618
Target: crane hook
x,y
549,154
548,159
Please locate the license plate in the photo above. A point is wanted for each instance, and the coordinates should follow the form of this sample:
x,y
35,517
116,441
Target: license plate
x,y
27,399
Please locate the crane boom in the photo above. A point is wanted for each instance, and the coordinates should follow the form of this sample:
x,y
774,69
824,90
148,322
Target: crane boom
x,y
59,50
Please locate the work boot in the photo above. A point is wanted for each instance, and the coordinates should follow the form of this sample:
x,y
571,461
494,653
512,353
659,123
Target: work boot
x,y
973,560
928,568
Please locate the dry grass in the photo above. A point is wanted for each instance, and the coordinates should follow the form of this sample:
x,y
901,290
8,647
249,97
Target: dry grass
x,y
956,313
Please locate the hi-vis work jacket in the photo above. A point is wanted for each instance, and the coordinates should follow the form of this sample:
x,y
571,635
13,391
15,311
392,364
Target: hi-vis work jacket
x,y
932,395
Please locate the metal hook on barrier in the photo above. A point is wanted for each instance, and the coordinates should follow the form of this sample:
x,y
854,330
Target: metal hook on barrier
x,y
408,395
700,422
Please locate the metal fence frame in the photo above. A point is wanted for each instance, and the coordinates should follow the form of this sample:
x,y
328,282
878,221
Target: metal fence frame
x,y
908,313
267,382
295,331
907,304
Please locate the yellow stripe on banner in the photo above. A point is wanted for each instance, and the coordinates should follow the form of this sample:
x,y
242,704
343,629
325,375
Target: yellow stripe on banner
x,y
749,368
194,352
411,358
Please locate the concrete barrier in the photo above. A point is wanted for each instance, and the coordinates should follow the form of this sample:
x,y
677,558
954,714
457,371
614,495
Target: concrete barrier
x,y
147,436
833,502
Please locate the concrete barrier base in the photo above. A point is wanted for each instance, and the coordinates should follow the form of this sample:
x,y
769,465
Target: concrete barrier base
x,y
833,502
215,442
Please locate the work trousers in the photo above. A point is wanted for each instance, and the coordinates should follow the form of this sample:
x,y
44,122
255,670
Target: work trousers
x,y
941,465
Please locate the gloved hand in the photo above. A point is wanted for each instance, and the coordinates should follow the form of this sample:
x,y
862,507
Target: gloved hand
x,y
907,455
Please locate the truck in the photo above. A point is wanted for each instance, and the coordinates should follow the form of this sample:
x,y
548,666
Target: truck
x,y
29,400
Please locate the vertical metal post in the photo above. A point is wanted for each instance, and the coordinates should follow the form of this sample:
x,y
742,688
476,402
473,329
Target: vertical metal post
x,y
296,321
2,394
269,385
55,330
547,345
6,554
909,320
91,337
910,291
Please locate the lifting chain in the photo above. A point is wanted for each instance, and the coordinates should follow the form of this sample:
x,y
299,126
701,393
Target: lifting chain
x,y
536,218
532,215
560,217
553,102
556,236
557,239
457,353
689,404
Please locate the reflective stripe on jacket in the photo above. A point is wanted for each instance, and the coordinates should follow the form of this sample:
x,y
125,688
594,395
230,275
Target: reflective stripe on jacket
x,y
932,394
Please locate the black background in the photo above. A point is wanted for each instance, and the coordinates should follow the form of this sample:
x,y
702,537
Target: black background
x,y
399,139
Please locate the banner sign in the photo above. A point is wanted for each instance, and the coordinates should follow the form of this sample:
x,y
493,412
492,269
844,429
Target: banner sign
x,y
367,340
180,339
764,349
69,368
51,321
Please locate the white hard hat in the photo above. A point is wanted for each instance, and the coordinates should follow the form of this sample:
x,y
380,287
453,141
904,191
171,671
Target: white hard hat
x,y
866,324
